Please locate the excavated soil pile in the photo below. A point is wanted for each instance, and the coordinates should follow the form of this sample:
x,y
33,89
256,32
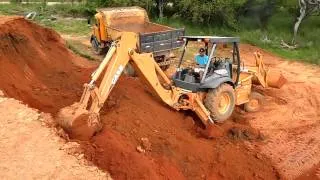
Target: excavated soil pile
x,y
142,138
174,148
141,28
36,67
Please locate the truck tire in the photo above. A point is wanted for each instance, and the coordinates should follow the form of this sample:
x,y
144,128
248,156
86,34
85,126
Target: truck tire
x,y
162,59
255,102
220,102
97,50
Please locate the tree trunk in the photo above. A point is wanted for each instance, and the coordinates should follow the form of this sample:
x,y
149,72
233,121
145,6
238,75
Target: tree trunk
x,y
161,4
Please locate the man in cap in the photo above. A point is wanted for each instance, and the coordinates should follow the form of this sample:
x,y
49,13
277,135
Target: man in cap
x,y
202,60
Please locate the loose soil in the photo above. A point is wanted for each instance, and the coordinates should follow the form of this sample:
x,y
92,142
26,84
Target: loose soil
x,y
30,149
140,27
35,67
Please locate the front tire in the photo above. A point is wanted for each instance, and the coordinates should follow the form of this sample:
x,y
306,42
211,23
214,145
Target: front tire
x,y
220,102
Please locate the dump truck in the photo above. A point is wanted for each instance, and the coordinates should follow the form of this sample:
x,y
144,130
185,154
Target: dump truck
x,y
110,23
212,96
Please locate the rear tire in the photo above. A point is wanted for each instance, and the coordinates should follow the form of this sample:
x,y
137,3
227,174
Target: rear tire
x,y
255,102
220,102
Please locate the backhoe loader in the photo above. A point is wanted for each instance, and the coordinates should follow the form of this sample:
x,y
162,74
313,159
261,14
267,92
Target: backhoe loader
x,y
212,96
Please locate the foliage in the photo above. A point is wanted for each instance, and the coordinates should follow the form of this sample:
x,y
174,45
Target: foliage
x,y
279,28
220,12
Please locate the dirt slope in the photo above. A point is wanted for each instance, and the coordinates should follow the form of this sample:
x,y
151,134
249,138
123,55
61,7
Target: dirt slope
x,y
177,150
36,67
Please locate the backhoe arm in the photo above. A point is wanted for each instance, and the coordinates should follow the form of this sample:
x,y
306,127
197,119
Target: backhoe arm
x,y
113,65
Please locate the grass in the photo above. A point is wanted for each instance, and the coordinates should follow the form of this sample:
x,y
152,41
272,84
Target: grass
x,y
73,47
57,17
68,26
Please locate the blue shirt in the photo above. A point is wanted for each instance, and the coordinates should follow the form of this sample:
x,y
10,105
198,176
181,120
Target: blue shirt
x,y
202,60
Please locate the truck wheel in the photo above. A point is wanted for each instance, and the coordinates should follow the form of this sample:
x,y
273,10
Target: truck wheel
x,y
161,60
97,50
255,102
220,102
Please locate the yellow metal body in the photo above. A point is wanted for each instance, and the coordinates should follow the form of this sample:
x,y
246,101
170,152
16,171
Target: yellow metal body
x,y
258,74
243,89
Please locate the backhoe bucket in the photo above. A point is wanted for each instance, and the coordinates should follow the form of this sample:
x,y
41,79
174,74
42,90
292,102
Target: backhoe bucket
x,y
275,79
78,122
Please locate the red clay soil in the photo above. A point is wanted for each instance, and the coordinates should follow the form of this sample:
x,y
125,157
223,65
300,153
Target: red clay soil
x,y
37,68
178,150
313,173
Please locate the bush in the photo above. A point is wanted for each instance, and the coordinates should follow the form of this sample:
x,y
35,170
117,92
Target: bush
x,y
218,12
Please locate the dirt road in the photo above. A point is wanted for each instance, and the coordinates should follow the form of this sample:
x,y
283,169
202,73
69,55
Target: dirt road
x,y
31,150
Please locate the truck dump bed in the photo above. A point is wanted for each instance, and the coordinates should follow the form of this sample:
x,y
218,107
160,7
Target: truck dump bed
x,y
142,28
152,37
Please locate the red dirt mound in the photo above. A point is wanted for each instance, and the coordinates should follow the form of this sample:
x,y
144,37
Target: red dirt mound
x,y
36,67
132,114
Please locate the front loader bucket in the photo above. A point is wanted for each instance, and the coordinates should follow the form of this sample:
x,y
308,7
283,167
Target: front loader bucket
x,y
275,79
78,122
265,76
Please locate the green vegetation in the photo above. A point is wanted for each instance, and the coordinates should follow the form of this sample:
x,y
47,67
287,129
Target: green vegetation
x,y
73,46
264,23
64,18
279,28
68,26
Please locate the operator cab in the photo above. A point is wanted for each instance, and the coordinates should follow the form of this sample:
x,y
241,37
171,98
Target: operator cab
x,y
221,67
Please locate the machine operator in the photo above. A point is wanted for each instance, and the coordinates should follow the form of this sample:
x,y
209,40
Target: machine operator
x,y
202,60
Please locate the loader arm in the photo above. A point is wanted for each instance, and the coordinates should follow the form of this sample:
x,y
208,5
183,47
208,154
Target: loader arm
x,y
265,76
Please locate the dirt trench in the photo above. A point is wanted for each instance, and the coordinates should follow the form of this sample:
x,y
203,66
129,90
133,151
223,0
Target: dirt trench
x,y
37,68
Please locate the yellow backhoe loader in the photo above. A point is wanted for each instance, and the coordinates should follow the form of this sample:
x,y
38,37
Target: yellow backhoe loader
x,y
212,96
